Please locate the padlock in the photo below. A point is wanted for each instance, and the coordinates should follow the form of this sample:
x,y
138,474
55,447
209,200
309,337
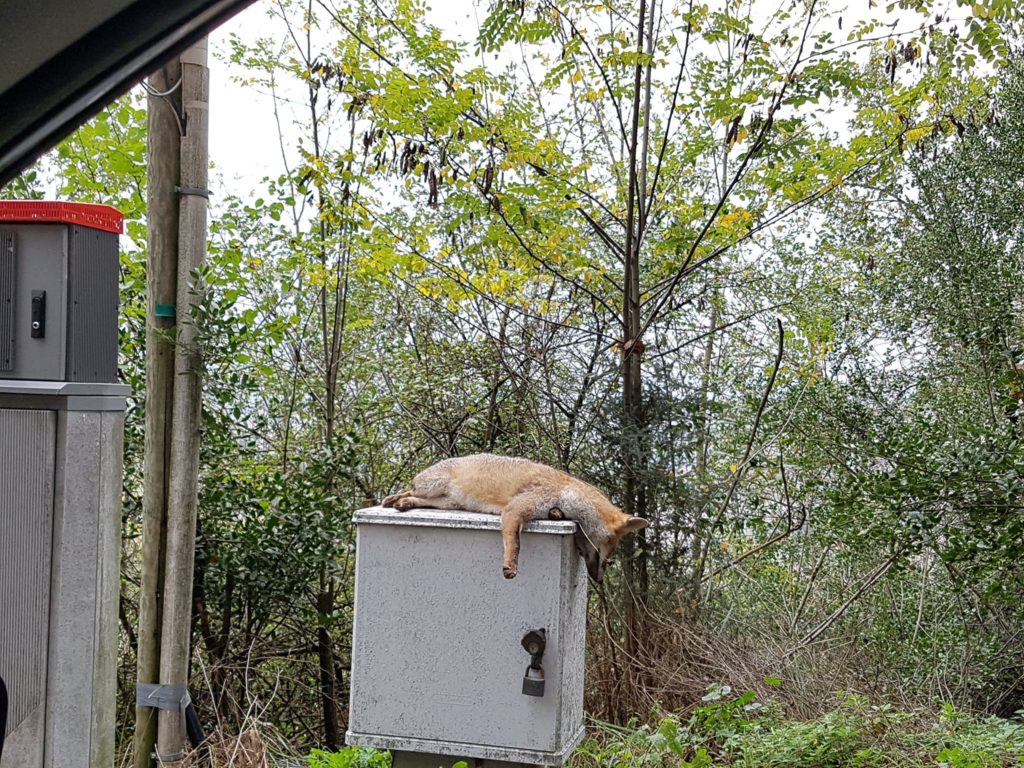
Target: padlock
x,y
533,681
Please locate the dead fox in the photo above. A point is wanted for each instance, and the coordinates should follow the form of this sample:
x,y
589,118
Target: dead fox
x,y
520,490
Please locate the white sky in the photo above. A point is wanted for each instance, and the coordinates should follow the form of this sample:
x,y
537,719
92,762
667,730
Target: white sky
x,y
243,137
244,145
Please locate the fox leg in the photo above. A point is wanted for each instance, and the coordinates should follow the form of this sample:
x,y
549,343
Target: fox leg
x,y
429,491
409,501
521,510
389,501
403,501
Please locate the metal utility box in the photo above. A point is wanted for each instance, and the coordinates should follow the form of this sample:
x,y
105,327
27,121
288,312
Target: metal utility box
x,y
58,291
437,657
60,491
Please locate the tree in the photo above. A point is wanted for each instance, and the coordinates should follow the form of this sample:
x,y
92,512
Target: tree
x,y
625,164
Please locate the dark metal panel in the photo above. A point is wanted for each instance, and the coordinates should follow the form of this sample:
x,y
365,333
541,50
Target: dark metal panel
x,y
27,446
47,102
8,285
92,305
46,26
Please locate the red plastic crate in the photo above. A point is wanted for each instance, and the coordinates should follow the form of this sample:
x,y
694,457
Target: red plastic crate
x,y
101,217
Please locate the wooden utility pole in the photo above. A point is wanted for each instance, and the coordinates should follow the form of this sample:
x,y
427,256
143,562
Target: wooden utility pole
x,y
186,410
164,155
176,413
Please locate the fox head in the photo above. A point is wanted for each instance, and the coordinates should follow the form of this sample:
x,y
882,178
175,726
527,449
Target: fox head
x,y
598,535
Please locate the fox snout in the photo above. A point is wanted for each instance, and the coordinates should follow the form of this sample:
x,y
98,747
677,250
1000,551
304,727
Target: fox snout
x,y
591,557
597,554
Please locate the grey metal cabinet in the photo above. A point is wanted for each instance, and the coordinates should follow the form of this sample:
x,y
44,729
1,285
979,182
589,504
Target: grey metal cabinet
x,y
61,432
437,656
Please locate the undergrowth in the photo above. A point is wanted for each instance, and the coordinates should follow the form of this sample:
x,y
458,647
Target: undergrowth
x,y
740,732
350,757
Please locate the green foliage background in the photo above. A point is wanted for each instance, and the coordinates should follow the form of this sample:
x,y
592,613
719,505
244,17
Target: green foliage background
x,y
438,269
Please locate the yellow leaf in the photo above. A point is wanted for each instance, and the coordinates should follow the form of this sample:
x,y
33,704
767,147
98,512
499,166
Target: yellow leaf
x,y
917,133
577,76
890,44
734,468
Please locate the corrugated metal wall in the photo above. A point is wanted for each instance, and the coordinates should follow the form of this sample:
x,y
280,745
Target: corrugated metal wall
x,y
27,440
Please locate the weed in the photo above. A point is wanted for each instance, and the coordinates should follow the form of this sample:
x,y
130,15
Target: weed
x,y
350,757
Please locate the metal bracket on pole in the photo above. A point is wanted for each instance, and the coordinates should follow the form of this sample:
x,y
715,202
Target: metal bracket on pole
x,y
196,191
170,697
160,696
177,757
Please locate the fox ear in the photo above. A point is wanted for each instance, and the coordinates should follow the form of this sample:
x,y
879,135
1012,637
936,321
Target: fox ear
x,y
633,524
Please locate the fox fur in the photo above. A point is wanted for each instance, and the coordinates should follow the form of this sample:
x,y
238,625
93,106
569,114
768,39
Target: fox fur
x,y
520,490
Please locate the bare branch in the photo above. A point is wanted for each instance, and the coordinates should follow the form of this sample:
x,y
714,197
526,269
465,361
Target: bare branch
x,y
740,469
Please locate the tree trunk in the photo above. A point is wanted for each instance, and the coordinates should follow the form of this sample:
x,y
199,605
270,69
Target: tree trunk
x,y
325,649
633,456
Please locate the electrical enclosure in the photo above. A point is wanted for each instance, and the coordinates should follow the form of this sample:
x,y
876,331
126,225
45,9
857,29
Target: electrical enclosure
x,y
437,656
61,433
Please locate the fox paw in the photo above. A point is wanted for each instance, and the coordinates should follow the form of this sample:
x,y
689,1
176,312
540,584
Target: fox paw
x,y
509,571
404,505
392,499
